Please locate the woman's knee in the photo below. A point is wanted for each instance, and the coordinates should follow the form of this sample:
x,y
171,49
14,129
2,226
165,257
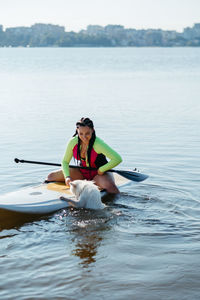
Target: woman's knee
x,y
106,182
56,176
111,187
51,177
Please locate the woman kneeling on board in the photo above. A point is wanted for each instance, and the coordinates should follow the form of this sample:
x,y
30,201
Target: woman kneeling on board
x,y
90,151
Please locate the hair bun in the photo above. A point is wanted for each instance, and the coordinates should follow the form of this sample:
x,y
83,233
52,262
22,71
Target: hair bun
x,y
85,122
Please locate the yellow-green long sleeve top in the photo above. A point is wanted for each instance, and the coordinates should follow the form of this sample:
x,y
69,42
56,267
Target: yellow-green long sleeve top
x,y
99,148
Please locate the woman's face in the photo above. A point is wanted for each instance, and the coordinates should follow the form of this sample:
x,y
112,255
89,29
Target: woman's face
x,y
85,134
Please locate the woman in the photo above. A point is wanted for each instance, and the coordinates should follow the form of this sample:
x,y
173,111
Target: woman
x,y
89,151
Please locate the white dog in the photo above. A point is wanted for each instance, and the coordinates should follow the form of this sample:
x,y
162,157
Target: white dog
x,y
87,195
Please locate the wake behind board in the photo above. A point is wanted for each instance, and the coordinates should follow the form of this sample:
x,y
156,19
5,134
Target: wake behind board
x,y
43,199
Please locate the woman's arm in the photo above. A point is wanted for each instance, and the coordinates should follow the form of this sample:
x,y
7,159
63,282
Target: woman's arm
x,y
115,159
68,156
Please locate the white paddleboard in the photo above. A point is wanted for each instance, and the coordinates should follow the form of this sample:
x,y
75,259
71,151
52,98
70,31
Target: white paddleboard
x,y
43,199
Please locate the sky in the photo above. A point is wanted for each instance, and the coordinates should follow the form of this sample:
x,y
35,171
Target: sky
x,y
75,15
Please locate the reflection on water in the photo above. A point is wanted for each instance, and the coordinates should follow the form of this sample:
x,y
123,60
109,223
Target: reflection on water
x,y
10,219
86,246
86,229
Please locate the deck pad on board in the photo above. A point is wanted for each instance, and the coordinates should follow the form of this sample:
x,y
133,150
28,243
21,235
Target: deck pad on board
x,y
58,187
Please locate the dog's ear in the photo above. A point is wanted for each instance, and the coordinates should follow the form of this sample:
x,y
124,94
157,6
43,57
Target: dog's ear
x,y
72,184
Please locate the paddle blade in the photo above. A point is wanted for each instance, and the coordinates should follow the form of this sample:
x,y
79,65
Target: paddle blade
x,y
132,175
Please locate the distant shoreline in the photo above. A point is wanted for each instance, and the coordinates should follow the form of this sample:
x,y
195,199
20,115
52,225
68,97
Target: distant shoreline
x,y
95,36
102,47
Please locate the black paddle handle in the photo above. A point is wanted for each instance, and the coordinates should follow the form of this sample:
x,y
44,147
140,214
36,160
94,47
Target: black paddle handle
x,y
36,162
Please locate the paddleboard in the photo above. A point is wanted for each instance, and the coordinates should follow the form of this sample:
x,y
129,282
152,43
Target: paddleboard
x,y
44,198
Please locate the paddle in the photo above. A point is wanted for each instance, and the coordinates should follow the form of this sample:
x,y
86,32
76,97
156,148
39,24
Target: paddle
x,y
131,175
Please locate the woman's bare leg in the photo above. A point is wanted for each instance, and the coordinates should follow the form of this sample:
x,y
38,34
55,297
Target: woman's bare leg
x,y
75,174
58,175
106,181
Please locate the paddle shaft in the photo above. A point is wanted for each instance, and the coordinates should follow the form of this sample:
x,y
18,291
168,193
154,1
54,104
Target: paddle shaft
x,y
53,164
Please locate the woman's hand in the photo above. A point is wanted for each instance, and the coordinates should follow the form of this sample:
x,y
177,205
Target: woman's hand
x,y
67,181
99,172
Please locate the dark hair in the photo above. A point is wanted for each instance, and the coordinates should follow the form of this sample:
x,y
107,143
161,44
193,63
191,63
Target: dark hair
x,y
83,123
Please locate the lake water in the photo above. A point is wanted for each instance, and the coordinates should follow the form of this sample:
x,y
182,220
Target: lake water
x,y
145,103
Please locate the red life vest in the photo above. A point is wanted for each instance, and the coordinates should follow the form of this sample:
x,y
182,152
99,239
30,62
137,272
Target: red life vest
x,y
96,161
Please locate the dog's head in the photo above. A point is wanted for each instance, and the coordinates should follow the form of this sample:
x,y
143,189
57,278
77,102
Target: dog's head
x,y
76,187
